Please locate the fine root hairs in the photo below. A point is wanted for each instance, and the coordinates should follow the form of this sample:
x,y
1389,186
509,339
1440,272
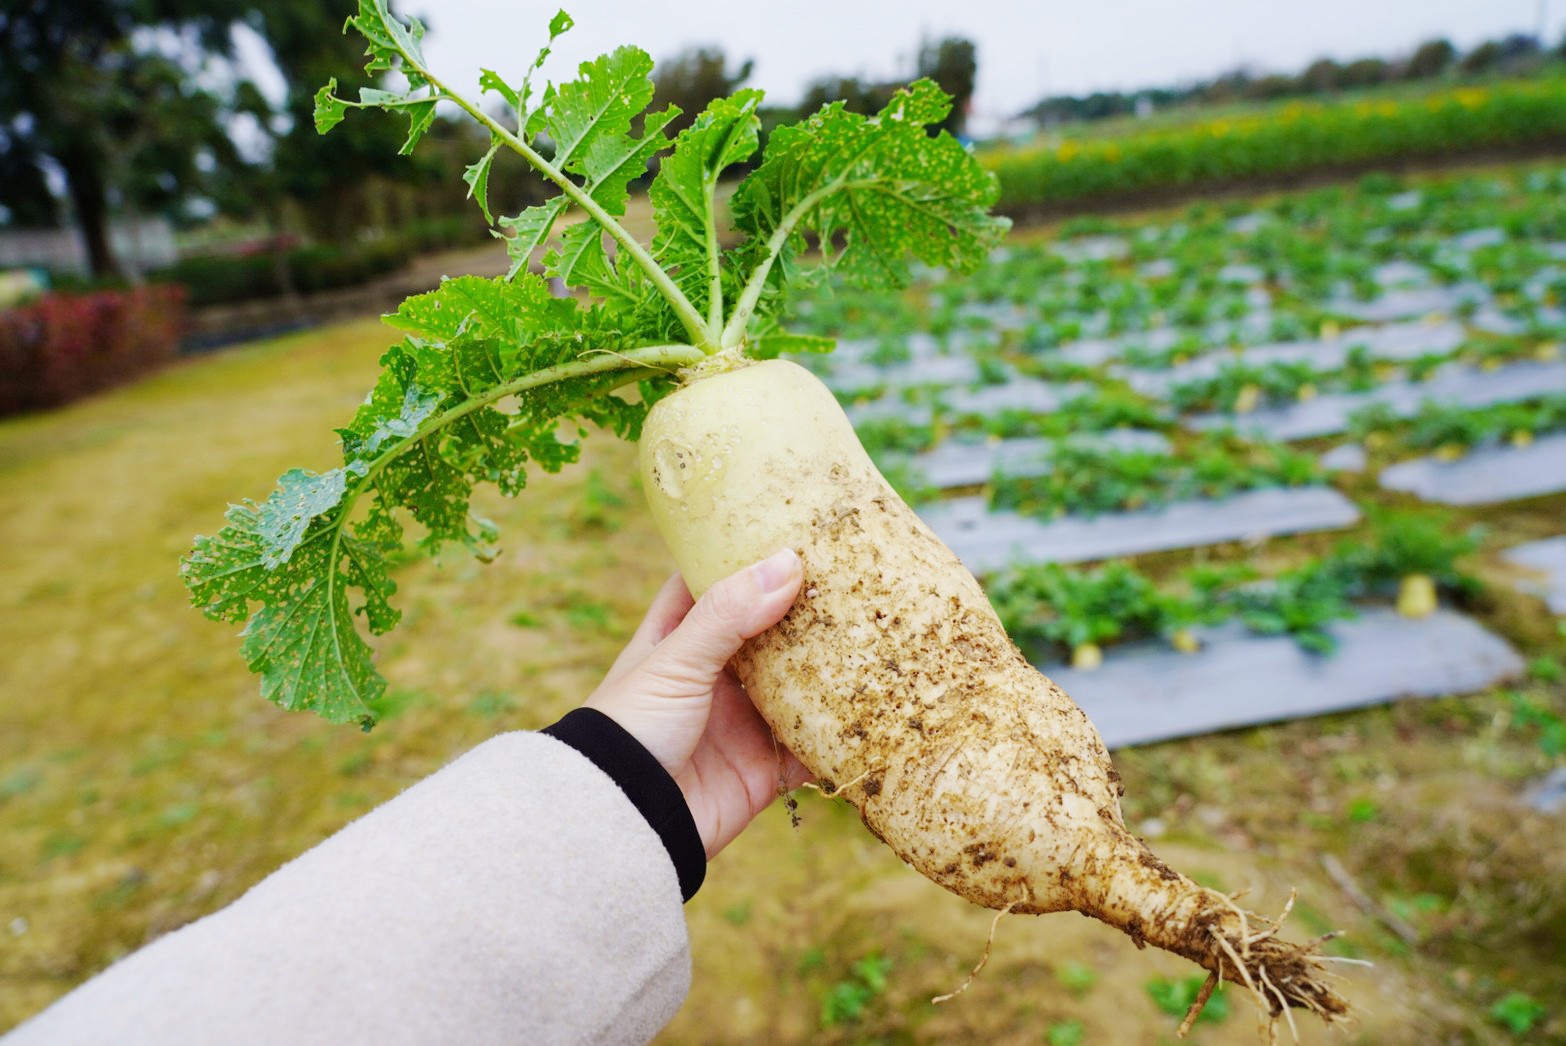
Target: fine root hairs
x,y
837,790
784,792
1278,975
988,944
1196,1006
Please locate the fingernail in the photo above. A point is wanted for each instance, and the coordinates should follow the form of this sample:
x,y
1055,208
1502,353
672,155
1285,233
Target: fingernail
x,y
776,571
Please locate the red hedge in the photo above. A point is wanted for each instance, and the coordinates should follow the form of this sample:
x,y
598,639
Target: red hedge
x,y
65,346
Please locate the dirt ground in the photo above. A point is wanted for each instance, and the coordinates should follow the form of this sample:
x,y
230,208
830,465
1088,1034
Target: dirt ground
x,y
143,782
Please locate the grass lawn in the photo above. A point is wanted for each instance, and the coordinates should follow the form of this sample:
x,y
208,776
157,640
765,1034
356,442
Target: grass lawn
x,y
143,783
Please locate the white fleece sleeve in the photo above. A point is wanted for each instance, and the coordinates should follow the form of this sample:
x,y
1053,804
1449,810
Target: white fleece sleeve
x,y
515,896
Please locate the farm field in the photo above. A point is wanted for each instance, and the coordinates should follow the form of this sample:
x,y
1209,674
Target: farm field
x,y
1281,144
1183,362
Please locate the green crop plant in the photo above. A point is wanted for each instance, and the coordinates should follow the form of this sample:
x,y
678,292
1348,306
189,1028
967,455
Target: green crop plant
x,y
491,373
1079,610
1289,139
1089,479
1302,603
1419,552
1450,429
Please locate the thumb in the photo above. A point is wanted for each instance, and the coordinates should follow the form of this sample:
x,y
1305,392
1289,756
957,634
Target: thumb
x,y
740,606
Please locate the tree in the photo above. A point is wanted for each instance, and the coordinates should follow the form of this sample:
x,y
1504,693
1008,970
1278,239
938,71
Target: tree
x,y
1321,76
1273,85
327,181
693,78
1481,59
59,65
1228,87
1364,72
856,95
24,191
953,63
165,140
1101,105
1431,59
1520,51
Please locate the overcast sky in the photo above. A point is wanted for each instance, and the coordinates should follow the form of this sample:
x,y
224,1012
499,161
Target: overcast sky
x,y
1026,50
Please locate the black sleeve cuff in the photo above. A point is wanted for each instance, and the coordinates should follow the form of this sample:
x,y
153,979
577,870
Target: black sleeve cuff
x,y
645,782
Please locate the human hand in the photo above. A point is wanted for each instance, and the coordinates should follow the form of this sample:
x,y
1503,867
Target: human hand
x,y
672,690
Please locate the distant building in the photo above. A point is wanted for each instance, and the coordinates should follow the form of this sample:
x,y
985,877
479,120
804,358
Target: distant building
x,y
138,246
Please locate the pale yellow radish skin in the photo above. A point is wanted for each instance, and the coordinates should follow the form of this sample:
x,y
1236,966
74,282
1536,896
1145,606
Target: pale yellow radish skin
x,y
895,683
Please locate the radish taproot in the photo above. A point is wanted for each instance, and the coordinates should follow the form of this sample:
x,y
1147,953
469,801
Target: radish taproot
x,y
892,677
894,683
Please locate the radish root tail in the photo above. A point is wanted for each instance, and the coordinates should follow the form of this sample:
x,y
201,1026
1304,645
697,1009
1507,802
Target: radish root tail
x,y
988,944
1279,975
1156,905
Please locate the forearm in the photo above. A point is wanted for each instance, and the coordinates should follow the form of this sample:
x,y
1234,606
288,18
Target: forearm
x,y
515,895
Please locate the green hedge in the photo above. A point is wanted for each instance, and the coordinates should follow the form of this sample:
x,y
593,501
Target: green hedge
x,y
1293,139
218,279
63,346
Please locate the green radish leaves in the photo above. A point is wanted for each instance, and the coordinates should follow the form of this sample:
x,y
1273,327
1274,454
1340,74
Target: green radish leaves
x,y
329,109
477,174
390,44
488,368
684,193
518,99
598,107
303,564
302,640
477,177
871,192
608,165
866,193
589,122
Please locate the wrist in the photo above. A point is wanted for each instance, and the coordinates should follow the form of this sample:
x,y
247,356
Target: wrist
x,y
664,740
644,781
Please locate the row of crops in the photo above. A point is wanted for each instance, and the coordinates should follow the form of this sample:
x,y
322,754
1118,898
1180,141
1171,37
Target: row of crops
x,y
1110,423
1300,138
